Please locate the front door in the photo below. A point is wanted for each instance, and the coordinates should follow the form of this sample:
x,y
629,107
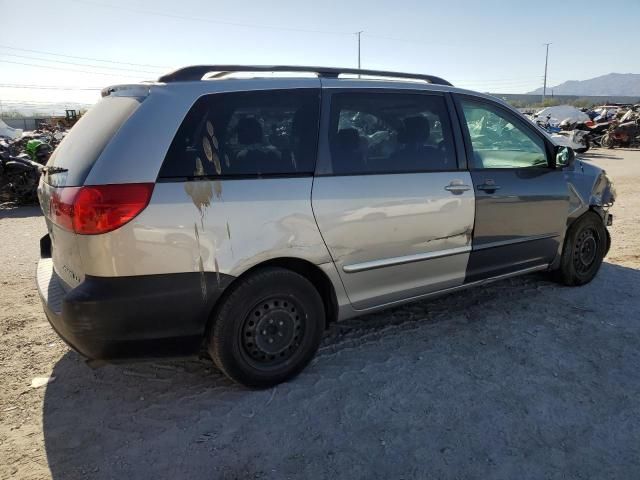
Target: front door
x,y
393,207
522,201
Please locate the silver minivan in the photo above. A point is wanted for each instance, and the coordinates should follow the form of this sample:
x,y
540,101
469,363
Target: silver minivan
x,y
245,211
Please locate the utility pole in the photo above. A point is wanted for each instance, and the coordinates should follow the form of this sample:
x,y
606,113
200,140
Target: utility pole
x,y
358,35
546,63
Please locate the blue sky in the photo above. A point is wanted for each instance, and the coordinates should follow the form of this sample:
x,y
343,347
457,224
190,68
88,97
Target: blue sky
x,y
485,45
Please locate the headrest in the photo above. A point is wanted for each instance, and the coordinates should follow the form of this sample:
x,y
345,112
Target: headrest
x,y
416,130
348,139
249,131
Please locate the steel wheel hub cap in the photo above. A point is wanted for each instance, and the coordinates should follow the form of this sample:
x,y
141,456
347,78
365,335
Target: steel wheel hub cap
x,y
272,331
586,250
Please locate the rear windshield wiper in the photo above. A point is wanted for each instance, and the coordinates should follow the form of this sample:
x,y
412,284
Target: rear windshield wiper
x,y
53,170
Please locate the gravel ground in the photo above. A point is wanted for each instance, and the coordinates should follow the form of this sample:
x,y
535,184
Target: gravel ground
x,y
520,379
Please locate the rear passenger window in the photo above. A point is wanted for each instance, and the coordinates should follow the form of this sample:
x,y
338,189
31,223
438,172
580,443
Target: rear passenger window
x,y
390,133
272,132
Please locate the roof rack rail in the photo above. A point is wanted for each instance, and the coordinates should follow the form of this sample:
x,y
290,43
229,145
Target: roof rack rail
x,y
197,72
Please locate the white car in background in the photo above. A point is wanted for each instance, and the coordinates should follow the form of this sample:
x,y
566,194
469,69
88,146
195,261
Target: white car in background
x,y
548,117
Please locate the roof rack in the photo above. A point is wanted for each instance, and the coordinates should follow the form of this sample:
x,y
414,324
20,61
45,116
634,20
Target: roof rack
x,y
197,72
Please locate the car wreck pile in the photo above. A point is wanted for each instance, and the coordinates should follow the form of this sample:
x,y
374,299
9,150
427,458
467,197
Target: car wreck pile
x,y
22,158
607,126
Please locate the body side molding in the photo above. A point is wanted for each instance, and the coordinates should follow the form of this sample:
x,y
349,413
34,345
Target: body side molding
x,y
388,262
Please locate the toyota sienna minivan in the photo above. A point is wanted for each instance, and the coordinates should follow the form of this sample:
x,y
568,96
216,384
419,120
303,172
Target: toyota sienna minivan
x,y
244,212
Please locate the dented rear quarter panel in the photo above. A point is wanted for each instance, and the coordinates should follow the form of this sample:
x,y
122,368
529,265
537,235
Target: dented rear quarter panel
x,y
225,226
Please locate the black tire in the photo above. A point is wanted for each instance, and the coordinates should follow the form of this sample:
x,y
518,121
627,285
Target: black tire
x,y
606,141
268,328
585,246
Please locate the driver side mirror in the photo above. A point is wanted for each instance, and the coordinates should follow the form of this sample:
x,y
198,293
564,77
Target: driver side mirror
x,y
565,156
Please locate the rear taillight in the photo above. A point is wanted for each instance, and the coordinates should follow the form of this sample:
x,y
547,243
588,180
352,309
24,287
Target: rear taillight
x,y
61,206
96,209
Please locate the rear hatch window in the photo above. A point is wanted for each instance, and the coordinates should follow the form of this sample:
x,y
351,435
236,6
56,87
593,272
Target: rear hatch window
x,y
83,144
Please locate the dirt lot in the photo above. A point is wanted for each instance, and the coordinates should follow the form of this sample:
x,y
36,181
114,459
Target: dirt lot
x,y
521,379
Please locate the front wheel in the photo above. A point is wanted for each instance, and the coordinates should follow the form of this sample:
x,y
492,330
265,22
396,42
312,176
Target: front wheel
x,y
585,246
606,141
268,328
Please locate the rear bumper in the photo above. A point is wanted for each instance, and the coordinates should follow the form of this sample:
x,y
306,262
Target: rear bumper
x,y
131,317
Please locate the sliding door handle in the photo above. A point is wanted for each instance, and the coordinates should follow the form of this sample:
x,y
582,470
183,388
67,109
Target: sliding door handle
x,y
457,187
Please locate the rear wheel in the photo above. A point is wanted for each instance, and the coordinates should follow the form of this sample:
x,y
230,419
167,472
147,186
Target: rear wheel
x,y
585,246
268,328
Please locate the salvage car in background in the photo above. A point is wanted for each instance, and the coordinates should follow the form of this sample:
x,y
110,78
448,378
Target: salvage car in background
x,y
249,213
564,124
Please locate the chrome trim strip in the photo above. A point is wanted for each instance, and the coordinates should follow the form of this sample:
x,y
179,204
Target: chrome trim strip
x,y
418,257
514,241
456,288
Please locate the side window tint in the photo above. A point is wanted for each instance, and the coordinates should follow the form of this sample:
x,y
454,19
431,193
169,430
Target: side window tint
x,y
390,133
247,133
499,143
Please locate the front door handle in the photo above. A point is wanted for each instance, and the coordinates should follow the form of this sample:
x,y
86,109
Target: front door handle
x,y
489,186
457,187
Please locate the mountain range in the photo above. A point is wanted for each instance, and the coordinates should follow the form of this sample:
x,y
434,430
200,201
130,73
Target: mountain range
x,y
620,84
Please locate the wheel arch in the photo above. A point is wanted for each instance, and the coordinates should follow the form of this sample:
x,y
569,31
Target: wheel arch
x,y
571,220
601,212
308,270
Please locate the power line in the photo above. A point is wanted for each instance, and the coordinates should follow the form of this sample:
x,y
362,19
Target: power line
x,y
77,64
46,87
504,83
35,103
84,58
70,69
396,39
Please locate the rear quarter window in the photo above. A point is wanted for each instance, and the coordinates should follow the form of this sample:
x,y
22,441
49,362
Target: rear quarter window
x,y
257,133
84,143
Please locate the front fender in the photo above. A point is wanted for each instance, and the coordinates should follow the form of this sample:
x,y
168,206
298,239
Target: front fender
x,y
589,189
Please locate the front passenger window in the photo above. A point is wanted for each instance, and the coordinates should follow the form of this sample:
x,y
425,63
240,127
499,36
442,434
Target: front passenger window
x,y
498,142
